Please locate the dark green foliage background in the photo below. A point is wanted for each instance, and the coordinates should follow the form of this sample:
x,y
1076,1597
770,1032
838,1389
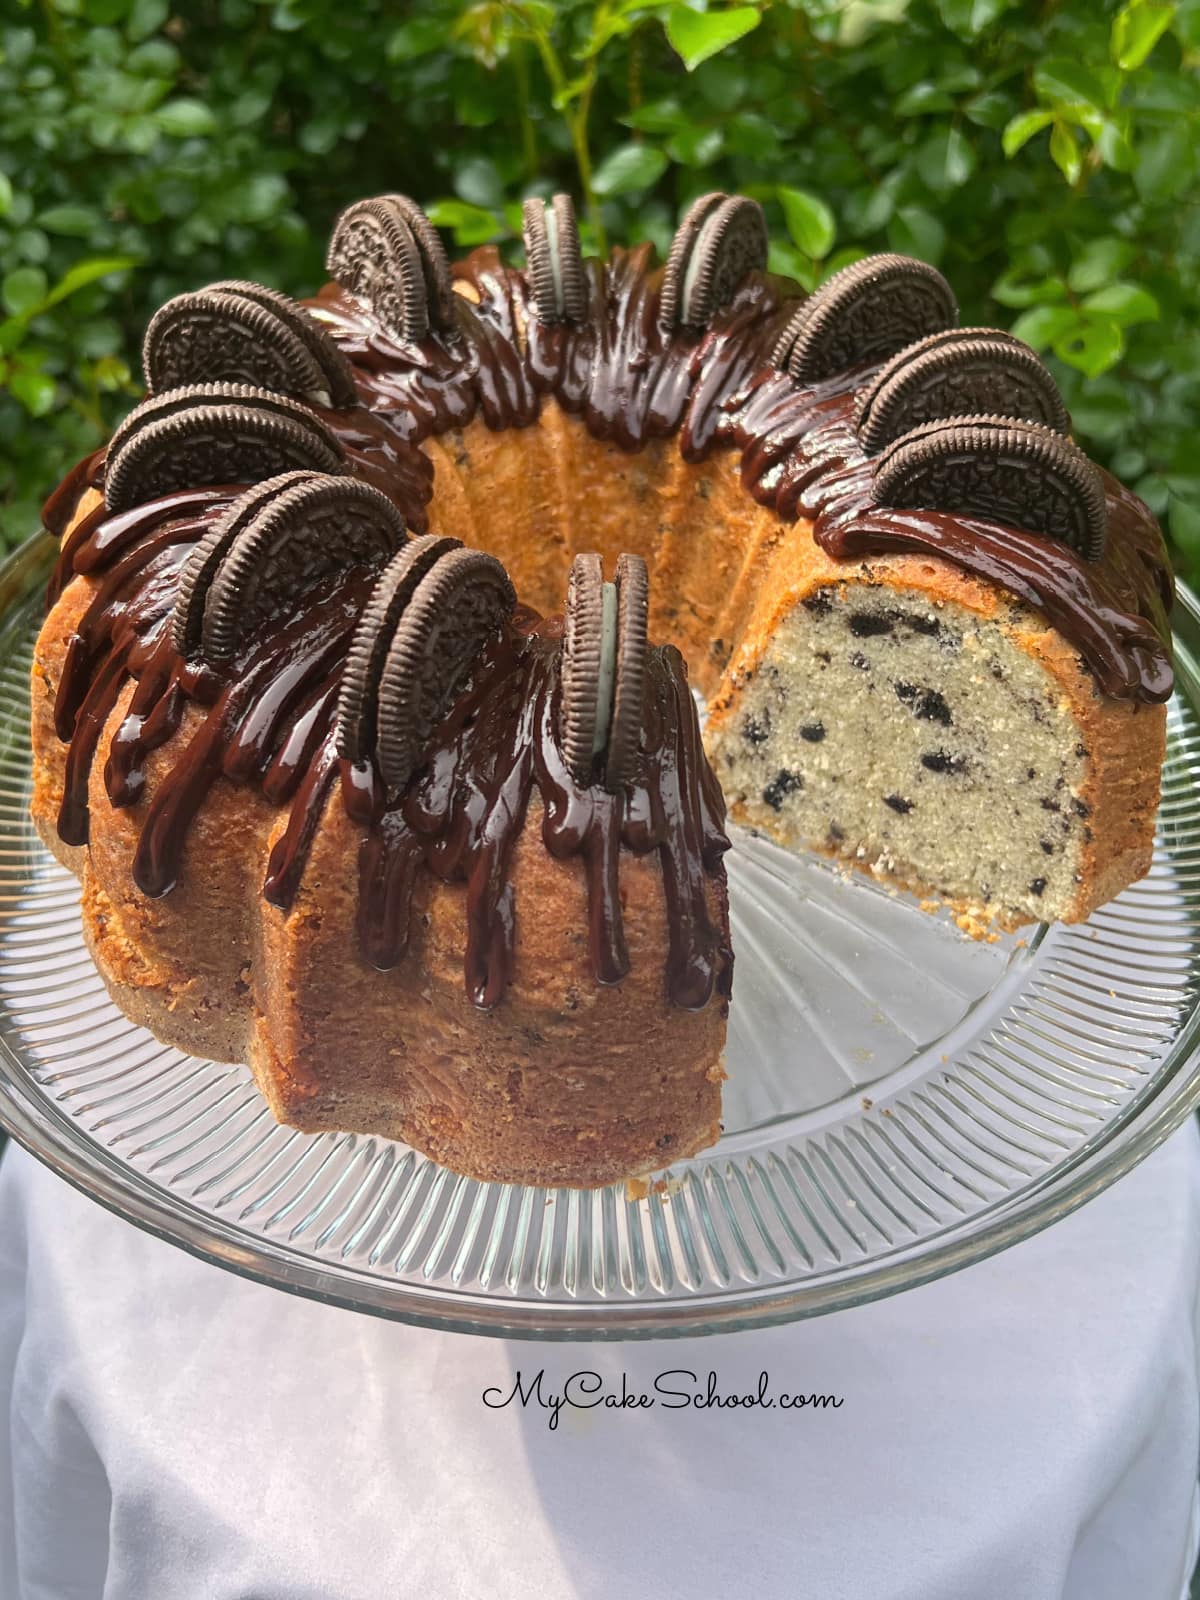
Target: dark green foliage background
x,y
1044,155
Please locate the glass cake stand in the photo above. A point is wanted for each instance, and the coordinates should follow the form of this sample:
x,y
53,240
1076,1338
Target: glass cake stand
x,y
901,1102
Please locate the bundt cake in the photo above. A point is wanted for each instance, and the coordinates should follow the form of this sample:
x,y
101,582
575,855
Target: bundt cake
x,y
347,712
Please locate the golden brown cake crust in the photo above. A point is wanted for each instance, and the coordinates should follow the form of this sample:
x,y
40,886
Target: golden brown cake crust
x,y
567,1081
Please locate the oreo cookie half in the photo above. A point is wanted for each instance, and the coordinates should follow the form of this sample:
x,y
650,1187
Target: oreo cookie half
x,y
191,395
461,601
270,547
604,669
1008,471
866,312
629,693
165,446
178,356
387,253
721,238
584,633
958,373
554,260
212,337
358,698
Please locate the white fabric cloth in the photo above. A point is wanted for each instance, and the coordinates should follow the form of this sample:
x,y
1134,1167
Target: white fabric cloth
x,y
1024,1430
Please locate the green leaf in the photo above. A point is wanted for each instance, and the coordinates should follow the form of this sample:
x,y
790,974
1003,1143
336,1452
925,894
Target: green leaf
x,y
629,169
658,116
6,194
416,38
991,109
35,390
923,99
1136,29
857,19
85,272
1123,303
970,17
1022,128
809,221
185,119
1102,412
74,222
695,146
1099,262
1092,348
24,291
1064,151
1114,146
1068,83
696,35
870,209
1014,289
105,11
257,198
1165,165
471,224
913,231
788,262
146,17
946,160
1042,325
478,181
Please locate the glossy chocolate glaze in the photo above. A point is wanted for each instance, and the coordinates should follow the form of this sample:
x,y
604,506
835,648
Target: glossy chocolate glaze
x,y
461,817
629,382
801,456
267,717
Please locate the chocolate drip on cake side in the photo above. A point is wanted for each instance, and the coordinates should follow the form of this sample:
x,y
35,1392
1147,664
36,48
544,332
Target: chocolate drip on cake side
x,y
461,817
269,718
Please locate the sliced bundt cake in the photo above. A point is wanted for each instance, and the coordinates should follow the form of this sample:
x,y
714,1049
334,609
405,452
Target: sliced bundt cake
x,y
444,870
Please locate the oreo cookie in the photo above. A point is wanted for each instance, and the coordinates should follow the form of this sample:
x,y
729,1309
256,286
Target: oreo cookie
x,y
433,609
212,337
605,647
190,395
585,632
721,238
1007,471
864,313
958,373
387,253
554,260
629,691
358,698
235,330
464,600
169,443
270,547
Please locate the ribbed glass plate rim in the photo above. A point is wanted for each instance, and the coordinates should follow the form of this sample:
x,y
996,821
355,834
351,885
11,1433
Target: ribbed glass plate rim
x,y
37,1122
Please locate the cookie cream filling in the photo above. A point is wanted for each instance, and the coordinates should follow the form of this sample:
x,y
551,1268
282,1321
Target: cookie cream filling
x,y
606,678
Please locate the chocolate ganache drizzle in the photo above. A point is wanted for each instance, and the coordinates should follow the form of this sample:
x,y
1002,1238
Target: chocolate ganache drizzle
x,y
630,381
267,716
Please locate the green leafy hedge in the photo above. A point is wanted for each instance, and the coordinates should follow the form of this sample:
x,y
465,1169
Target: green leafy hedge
x,y
1044,155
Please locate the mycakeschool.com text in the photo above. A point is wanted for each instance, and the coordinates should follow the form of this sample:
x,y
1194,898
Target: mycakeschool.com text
x,y
678,1389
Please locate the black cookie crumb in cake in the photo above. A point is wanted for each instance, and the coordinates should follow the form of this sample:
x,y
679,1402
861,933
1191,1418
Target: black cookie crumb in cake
x,y
949,774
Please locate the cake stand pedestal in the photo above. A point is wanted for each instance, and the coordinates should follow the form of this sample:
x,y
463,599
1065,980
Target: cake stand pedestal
x,y
1027,1427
